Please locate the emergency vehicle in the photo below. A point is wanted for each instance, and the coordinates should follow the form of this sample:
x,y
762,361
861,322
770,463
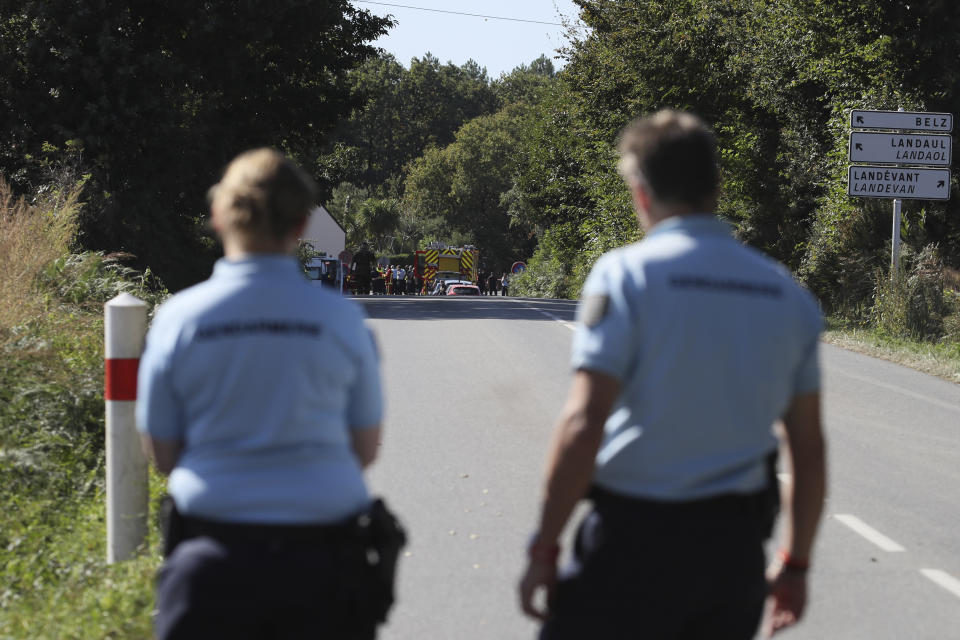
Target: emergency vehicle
x,y
325,271
440,262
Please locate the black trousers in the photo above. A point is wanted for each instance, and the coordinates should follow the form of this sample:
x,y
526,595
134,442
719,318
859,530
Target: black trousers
x,y
663,571
260,589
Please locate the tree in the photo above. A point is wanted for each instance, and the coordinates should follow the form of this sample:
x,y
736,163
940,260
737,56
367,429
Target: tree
x,y
774,78
464,185
344,205
379,218
403,112
525,83
160,96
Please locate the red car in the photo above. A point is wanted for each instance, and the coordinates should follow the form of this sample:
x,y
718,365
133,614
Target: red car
x,y
463,290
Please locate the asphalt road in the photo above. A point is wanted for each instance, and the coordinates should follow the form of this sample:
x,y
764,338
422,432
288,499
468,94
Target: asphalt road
x,y
473,388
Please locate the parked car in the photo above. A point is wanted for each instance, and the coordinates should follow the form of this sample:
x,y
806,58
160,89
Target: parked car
x,y
442,285
463,290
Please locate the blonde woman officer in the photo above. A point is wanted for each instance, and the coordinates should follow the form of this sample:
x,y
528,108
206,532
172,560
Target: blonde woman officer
x,y
260,397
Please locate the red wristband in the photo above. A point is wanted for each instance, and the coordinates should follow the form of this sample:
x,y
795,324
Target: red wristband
x,y
546,553
792,564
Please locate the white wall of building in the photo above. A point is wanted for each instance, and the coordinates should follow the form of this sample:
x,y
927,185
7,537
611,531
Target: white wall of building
x,y
324,233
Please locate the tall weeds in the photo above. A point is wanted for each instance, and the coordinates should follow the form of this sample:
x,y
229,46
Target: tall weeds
x,y
912,304
32,236
51,426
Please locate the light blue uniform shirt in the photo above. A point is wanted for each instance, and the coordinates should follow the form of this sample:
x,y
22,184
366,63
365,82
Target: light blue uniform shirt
x,y
261,376
710,341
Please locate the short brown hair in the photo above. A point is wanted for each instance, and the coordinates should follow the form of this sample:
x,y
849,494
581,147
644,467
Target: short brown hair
x,y
263,192
674,154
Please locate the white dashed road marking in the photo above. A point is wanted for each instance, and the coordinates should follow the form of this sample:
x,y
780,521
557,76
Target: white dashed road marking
x,y
943,579
869,533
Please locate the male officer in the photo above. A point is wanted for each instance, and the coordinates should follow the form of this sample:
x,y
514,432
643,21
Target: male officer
x,y
261,398
690,347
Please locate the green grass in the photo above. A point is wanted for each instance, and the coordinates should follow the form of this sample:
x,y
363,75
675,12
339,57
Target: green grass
x,y
56,582
60,585
941,359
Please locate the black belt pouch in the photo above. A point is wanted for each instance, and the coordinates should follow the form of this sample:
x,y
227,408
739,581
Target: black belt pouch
x,y
171,525
382,537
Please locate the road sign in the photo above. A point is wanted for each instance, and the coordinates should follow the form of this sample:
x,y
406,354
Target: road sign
x,y
518,267
901,148
898,182
909,120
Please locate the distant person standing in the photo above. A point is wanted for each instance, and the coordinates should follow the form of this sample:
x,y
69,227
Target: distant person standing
x,y
482,284
690,347
261,398
362,264
504,285
399,280
491,284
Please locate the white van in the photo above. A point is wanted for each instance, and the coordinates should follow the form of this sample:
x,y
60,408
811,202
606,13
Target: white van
x,y
324,272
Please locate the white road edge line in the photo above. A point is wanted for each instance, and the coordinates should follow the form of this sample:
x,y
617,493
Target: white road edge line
x,y
869,533
901,391
568,325
943,579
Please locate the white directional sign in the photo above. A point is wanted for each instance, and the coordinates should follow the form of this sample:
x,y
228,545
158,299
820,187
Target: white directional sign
x,y
899,182
901,148
908,120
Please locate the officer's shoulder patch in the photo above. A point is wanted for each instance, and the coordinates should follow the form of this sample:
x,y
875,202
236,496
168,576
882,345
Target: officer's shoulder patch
x,y
594,309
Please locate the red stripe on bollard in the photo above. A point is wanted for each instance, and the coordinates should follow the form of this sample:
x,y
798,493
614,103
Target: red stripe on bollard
x,y
120,380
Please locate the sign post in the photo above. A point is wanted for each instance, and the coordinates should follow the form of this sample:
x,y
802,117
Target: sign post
x,y
870,181
901,120
901,148
895,257
903,164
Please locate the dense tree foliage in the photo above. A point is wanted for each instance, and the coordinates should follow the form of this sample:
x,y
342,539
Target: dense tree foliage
x,y
776,79
403,111
442,140
462,186
156,97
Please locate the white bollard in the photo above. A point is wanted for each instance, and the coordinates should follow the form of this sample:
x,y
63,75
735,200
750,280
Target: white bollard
x,y
125,328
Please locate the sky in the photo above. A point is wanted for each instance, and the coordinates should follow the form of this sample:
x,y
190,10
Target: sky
x,y
500,45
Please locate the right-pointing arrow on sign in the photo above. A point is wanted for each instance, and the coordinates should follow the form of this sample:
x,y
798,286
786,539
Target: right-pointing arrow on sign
x,y
940,184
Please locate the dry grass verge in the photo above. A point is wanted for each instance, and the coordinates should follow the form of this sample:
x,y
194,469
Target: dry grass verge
x,y
31,237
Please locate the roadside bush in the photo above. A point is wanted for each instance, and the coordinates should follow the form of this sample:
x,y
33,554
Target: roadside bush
x,y
911,304
951,321
544,277
52,532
